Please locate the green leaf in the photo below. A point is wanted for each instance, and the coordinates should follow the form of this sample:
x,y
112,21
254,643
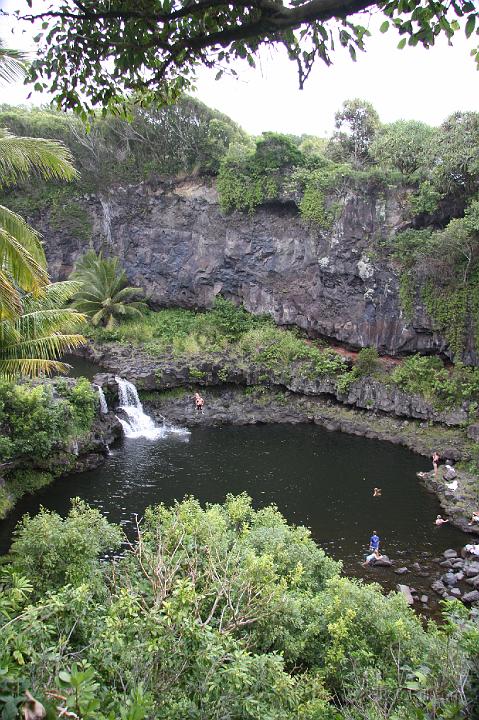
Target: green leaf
x,y
384,27
352,52
470,25
402,43
64,676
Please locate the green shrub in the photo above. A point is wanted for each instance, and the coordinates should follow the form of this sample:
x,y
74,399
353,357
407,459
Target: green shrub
x,y
247,618
367,361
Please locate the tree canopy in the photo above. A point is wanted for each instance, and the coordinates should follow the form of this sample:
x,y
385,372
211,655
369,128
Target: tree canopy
x,y
92,52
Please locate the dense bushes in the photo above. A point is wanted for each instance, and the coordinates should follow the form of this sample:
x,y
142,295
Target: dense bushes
x,y
37,420
222,612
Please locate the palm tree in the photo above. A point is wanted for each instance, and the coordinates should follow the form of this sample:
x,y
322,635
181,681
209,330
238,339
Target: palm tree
x,y
12,64
22,259
44,331
105,295
34,329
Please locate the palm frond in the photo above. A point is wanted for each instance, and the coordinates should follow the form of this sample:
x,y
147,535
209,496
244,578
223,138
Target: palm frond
x,y
13,64
22,156
31,343
10,300
30,367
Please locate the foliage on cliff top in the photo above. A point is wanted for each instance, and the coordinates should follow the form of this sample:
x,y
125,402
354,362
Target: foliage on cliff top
x,y
186,138
37,418
247,619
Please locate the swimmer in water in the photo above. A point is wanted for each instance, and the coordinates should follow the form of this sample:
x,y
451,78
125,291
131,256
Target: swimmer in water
x,y
377,492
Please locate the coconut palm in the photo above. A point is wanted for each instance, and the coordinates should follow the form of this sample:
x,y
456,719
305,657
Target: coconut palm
x,y
105,295
12,64
30,344
34,330
22,260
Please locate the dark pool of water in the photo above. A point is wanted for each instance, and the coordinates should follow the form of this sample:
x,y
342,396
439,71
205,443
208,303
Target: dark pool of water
x,y
81,367
316,478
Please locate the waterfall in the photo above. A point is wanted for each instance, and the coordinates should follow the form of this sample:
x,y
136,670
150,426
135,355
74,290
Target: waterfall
x,y
105,206
103,402
137,423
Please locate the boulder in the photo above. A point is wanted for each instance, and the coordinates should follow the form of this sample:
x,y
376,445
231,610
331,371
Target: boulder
x,y
438,587
446,564
471,568
401,571
424,599
456,592
473,432
474,581
471,597
449,579
415,567
406,592
448,554
384,561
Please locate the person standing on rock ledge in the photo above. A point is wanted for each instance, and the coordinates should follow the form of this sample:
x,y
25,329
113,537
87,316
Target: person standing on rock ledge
x,y
199,402
435,462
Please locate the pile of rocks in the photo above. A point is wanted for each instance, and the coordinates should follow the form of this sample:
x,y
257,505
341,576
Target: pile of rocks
x,y
461,578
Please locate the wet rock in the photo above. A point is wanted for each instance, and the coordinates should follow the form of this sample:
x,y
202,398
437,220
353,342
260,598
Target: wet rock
x,y
401,571
446,564
455,592
458,564
471,597
384,561
474,581
448,554
449,579
471,568
406,592
415,567
424,599
460,576
439,587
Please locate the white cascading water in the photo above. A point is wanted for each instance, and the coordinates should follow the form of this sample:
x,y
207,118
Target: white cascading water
x,y
103,402
137,423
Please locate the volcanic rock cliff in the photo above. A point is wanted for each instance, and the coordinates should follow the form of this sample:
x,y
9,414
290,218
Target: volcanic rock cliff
x,y
338,283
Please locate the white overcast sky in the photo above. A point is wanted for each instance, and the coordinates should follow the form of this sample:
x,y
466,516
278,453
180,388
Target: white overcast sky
x,y
426,85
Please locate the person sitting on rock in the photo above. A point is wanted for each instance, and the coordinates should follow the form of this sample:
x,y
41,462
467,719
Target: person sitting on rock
x,y
199,402
474,518
371,559
440,521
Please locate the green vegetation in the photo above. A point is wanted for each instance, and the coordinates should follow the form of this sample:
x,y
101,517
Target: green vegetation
x,y
44,331
103,292
157,52
446,264
226,329
36,421
248,619
34,327
427,376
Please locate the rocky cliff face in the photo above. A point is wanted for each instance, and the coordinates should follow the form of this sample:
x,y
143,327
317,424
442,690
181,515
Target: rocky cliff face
x,y
175,243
